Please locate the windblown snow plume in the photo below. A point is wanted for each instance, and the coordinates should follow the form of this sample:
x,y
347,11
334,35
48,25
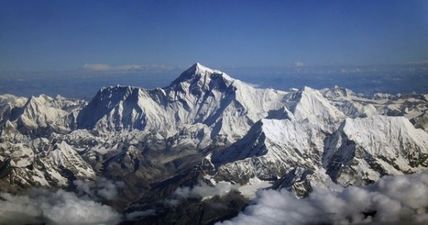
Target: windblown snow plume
x,y
391,200
54,208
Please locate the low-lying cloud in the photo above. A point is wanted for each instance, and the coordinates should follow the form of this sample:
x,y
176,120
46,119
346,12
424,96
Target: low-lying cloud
x,y
100,67
100,188
204,190
392,200
97,67
54,208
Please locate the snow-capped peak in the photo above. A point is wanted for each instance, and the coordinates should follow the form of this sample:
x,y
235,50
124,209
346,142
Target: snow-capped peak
x,y
309,104
199,68
200,72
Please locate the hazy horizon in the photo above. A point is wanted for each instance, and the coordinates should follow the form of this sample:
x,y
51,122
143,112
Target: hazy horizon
x,y
75,48
84,84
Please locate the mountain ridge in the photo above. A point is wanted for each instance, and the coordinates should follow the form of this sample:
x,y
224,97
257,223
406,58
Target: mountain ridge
x,y
207,127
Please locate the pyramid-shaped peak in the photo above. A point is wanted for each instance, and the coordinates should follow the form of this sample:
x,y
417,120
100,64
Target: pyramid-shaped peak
x,y
197,71
198,68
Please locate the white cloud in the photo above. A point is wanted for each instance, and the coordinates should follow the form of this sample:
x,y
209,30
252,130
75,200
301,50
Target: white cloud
x,y
100,67
97,67
391,200
204,190
54,208
100,188
130,67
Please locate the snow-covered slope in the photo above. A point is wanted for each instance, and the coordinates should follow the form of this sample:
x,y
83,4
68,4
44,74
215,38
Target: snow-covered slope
x,y
413,106
38,162
364,149
269,149
351,104
40,115
198,96
421,121
9,105
225,128
309,104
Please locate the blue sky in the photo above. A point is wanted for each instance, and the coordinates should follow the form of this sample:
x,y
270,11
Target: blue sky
x,y
66,35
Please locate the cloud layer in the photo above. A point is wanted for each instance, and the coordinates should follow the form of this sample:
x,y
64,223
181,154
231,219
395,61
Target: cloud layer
x,y
391,200
54,208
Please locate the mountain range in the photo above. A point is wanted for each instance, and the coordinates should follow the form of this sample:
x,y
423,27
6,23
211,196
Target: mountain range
x,y
208,130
